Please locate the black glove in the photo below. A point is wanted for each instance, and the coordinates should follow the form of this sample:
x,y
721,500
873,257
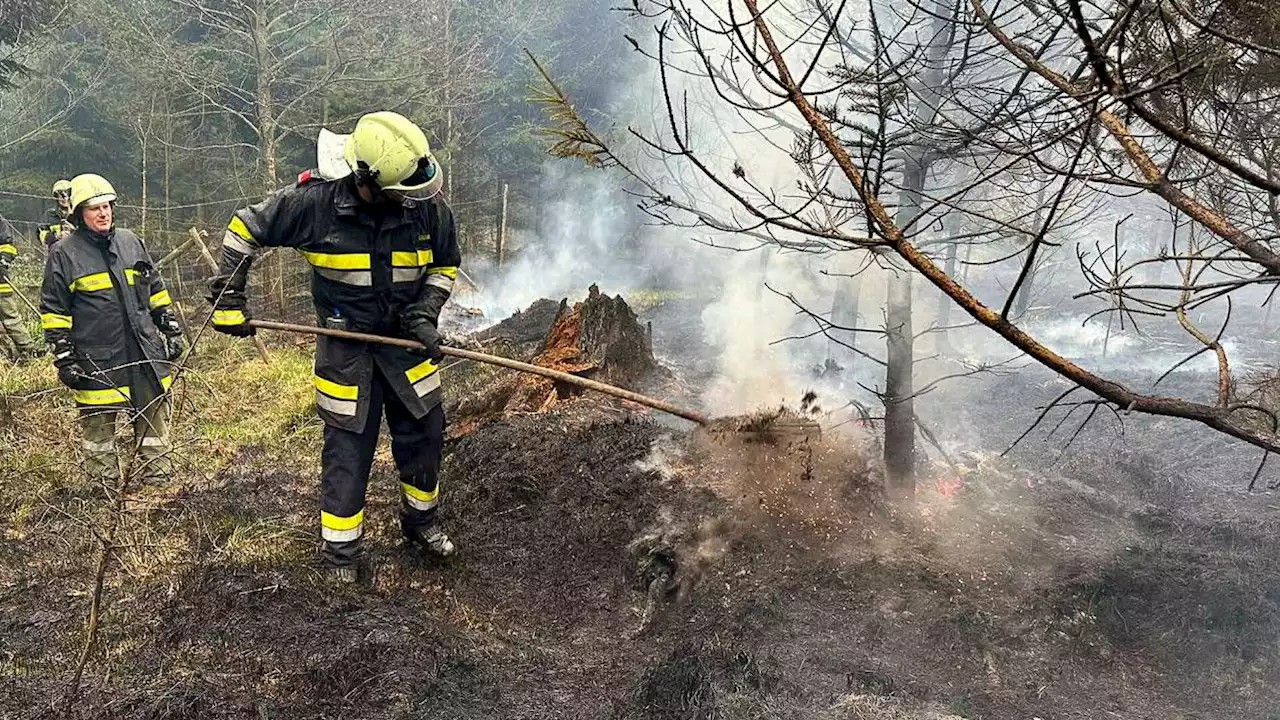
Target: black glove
x,y
231,315
174,347
427,334
167,323
71,374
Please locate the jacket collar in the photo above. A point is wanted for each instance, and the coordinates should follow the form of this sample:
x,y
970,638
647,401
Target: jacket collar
x,y
98,240
347,202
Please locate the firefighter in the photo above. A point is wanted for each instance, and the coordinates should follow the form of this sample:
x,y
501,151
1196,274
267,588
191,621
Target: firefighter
x,y
58,226
17,341
382,245
110,321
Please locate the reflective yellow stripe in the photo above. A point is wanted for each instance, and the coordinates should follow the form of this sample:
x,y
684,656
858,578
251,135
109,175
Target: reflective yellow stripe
x,y
420,495
333,389
113,396
419,371
8,249
6,289
101,281
334,522
238,227
92,283
345,261
161,299
419,258
166,382
228,317
447,271
54,321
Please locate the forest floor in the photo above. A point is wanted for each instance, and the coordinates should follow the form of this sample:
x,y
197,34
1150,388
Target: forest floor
x,y
614,566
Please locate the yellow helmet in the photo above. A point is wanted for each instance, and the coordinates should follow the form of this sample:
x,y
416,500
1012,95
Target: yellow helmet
x,y
62,193
389,149
92,189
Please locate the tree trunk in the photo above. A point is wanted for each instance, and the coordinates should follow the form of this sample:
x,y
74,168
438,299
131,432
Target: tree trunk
x,y
943,315
766,254
268,137
899,404
844,313
142,141
1023,300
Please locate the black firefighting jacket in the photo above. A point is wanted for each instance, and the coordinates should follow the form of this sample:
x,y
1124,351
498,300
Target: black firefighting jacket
x,y
102,293
10,251
377,268
56,228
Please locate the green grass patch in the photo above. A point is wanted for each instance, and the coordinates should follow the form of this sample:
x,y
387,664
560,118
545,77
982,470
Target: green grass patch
x,y
247,401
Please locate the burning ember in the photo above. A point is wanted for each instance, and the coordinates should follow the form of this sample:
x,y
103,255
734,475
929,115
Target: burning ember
x,y
948,487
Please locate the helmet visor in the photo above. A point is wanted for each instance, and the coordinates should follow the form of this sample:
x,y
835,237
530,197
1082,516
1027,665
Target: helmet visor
x,y
423,178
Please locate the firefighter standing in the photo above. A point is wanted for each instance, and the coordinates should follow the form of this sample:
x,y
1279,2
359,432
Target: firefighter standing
x,y
58,226
107,315
17,341
383,249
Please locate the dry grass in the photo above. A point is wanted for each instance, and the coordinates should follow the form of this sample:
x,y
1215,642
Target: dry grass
x,y
877,707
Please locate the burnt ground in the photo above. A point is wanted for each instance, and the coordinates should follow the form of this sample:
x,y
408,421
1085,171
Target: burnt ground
x,y
614,567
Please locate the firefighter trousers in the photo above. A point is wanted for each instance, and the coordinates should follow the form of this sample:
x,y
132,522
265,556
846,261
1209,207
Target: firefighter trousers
x,y
150,438
417,446
17,339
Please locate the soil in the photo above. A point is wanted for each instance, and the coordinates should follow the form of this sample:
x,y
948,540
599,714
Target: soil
x,y
614,567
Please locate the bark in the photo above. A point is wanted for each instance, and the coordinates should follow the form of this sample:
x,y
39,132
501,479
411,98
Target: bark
x,y
1023,300
899,405
943,315
268,144
142,145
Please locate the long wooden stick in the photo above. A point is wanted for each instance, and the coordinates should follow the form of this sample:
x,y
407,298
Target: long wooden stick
x,y
600,387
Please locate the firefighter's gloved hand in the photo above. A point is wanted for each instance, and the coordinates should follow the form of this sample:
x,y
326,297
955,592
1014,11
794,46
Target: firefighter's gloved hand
x,y
6,262
231,315
174,347
71,374
167,323
429,336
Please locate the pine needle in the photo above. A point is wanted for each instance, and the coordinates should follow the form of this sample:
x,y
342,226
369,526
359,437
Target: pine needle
x,y
572,136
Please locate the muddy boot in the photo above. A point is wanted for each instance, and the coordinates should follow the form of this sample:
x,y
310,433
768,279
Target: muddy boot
x,y
342,575
432,541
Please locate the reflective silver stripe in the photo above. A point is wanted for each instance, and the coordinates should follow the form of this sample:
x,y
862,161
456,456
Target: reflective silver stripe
x,y
237,243
342,535
155,442
444,282
427,385
359,278
335,406
105,446
406,274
